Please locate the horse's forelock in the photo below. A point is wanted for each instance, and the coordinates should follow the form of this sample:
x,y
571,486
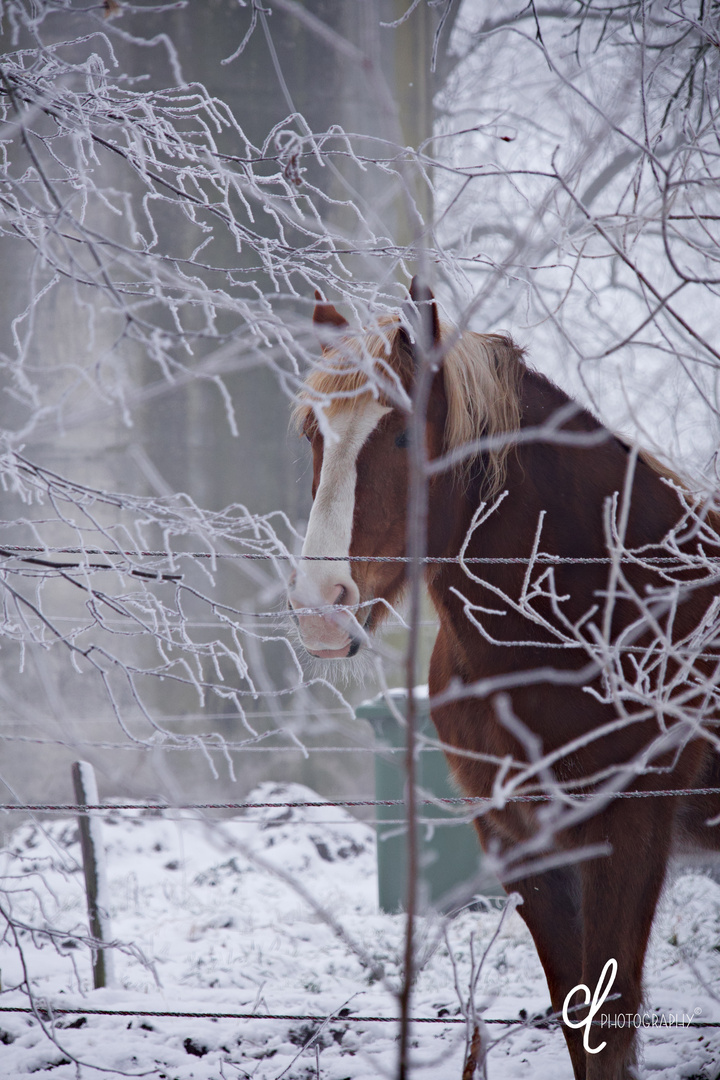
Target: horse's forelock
x,y
481,374
354,372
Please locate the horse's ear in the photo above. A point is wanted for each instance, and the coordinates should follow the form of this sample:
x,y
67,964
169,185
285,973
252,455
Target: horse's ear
x,y
424,300
421,314
326,314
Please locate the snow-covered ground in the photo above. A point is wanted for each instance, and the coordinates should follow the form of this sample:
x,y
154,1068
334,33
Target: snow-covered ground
x,y
221,933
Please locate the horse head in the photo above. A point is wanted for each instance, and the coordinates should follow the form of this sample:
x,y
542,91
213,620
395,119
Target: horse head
x,y
354,409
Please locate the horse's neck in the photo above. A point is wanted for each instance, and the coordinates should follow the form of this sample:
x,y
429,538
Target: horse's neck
x,y
562,483
559,498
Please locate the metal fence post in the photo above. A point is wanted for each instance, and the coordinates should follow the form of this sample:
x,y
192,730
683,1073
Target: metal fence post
x,y
93,856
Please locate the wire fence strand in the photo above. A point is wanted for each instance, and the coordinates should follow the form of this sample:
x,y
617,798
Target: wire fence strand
x,y
47,1011
460,800
521,560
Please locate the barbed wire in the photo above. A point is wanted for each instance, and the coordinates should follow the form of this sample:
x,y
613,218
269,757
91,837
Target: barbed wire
x,y
227,744
550,1022
685,561
460,800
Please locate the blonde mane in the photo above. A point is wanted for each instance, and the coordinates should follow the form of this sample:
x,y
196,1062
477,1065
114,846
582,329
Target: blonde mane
x,y
481,372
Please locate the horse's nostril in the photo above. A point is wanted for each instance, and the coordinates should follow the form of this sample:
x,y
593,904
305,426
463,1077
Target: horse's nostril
x,y
341,597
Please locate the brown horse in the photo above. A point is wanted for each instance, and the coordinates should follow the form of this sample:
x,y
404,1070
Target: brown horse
x,y
591,606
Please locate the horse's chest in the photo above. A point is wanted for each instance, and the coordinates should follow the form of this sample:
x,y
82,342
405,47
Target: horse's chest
x,y
471,729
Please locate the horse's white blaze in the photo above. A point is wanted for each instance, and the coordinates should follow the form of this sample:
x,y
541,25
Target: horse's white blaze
x,y
329,532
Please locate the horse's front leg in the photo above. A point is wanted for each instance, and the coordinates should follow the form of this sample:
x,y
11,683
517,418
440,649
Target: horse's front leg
x,y
619,897
551,911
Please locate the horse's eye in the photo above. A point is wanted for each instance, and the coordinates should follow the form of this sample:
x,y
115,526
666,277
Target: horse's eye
x,y
402,440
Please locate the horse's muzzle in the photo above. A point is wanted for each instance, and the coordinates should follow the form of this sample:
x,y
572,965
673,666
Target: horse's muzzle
x,y
328,633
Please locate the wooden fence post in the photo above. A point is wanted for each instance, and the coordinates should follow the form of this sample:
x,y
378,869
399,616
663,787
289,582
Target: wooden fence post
x,y
93,855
